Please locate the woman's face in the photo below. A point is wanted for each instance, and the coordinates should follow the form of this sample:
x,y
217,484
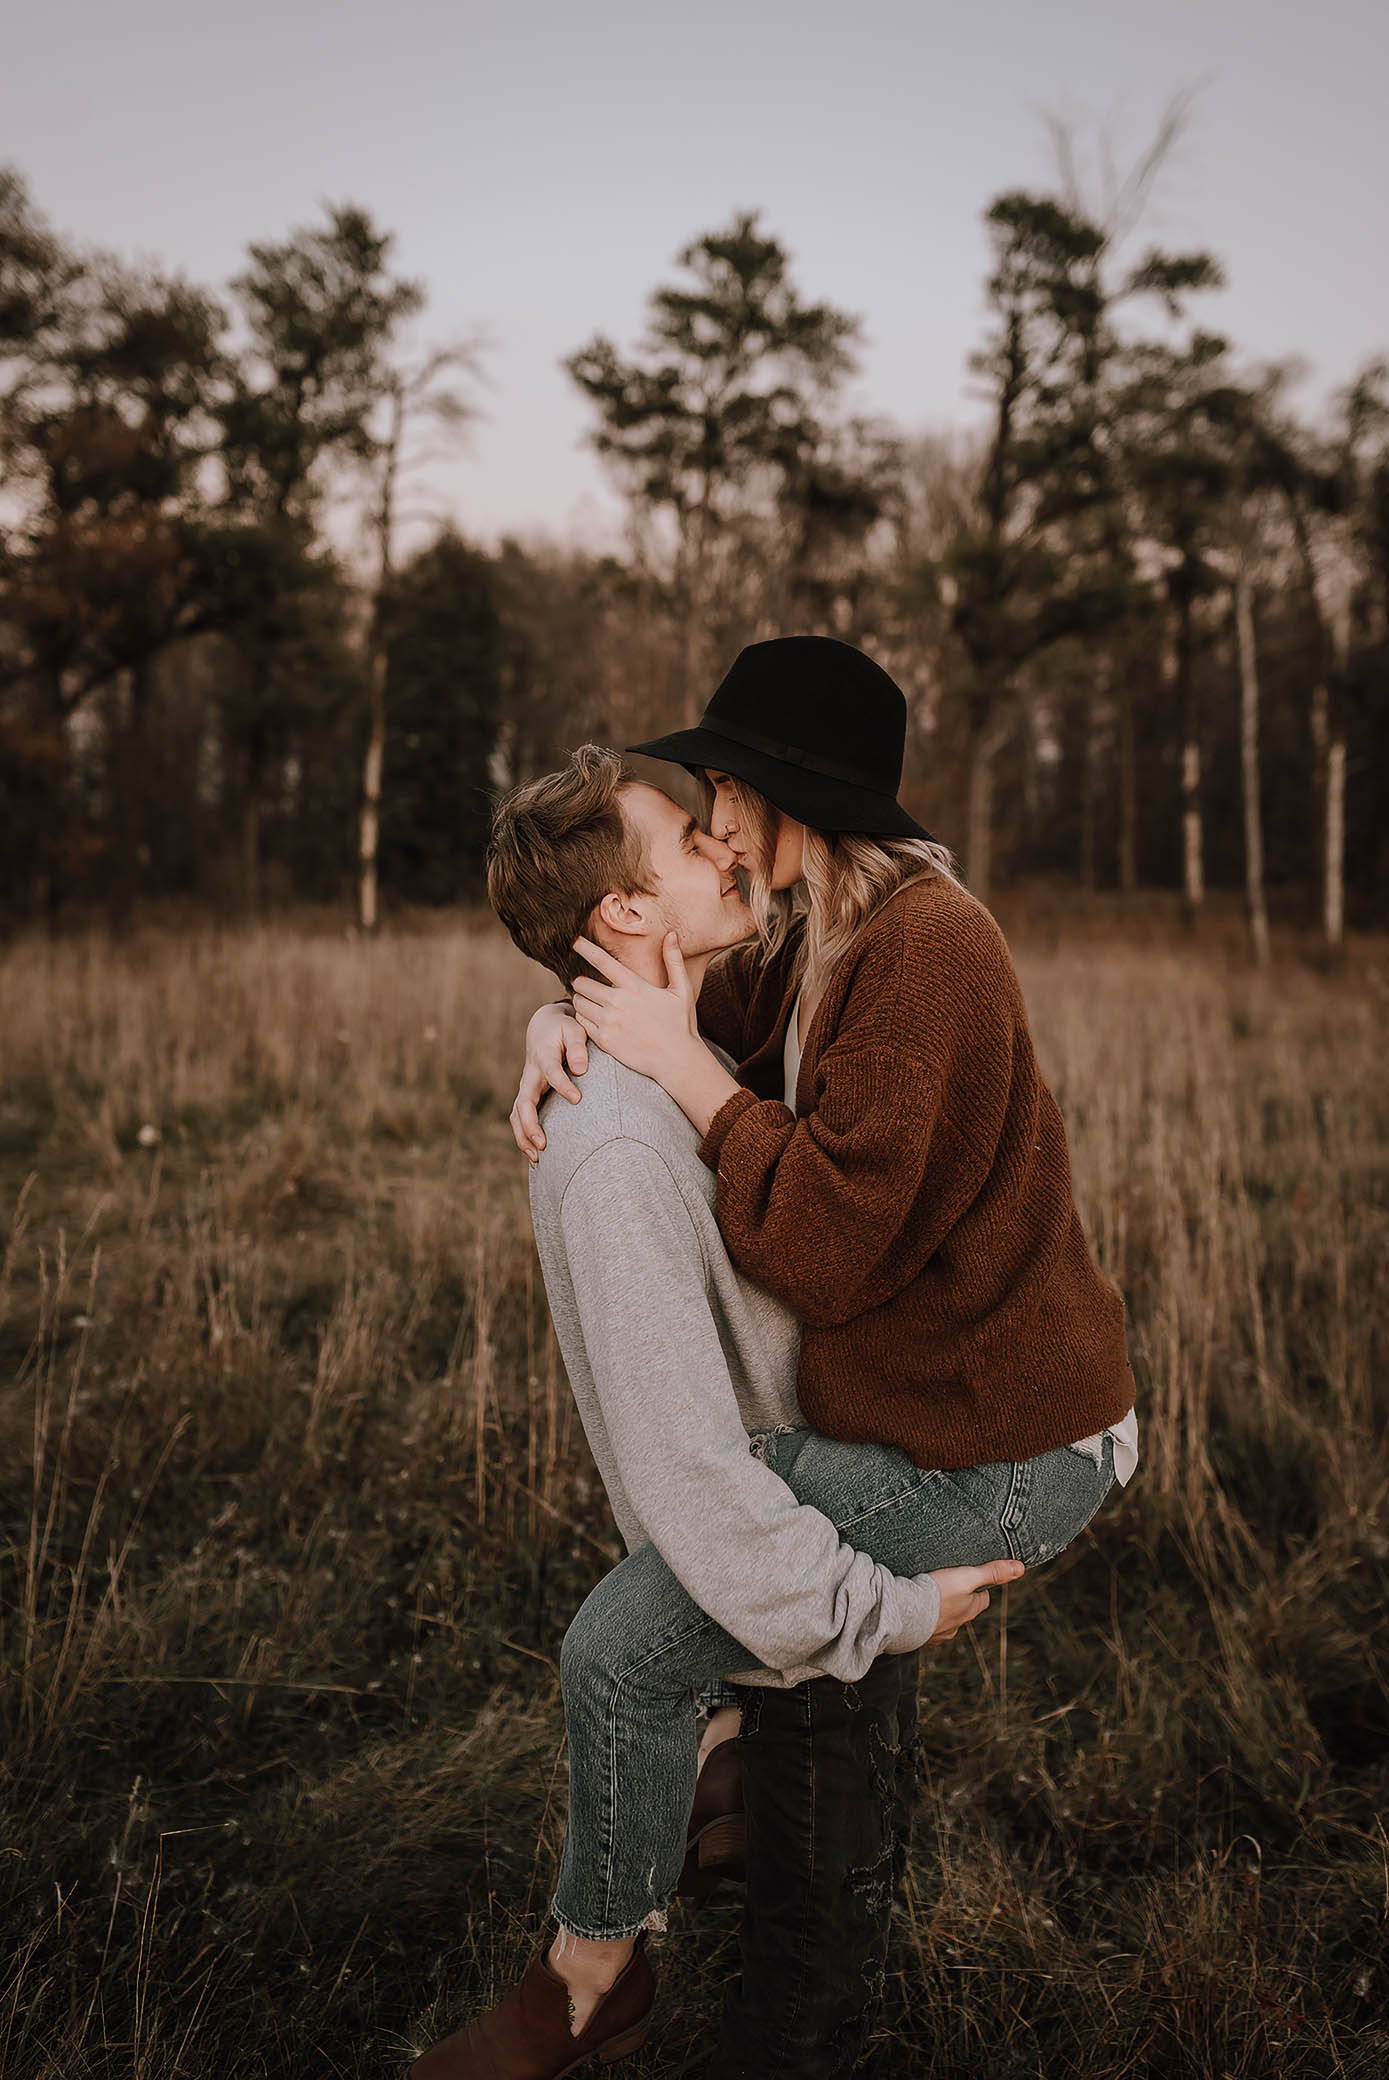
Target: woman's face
x,y
727,821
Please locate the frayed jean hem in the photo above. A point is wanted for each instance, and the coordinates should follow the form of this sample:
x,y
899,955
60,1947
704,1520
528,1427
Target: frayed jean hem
x,y
654,1924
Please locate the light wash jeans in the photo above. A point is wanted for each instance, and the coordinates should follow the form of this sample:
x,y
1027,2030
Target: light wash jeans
x,y
639,1646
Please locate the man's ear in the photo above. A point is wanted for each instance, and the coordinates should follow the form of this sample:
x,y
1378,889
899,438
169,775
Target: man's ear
x,y
624,914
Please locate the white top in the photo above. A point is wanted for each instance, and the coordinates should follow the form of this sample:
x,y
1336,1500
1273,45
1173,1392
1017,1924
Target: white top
x,y
1125,1433
792,1057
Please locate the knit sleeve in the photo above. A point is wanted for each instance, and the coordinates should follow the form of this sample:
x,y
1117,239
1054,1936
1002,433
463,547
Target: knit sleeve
x,y
838,1211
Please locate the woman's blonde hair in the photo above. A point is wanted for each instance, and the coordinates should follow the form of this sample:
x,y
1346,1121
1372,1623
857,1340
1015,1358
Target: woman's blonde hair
x,y
847,876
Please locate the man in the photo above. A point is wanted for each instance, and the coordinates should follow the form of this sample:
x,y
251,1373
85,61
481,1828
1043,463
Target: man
x,y
676,1362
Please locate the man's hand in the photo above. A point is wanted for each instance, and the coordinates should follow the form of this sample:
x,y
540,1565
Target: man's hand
x,y
554,1040
964,1594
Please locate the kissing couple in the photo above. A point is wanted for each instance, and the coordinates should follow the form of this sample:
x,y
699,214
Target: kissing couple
x,y
840,1347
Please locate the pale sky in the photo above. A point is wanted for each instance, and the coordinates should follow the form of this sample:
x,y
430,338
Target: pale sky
x,y
542,163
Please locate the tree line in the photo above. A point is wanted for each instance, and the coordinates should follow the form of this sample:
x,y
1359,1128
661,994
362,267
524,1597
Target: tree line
x,y
1140,614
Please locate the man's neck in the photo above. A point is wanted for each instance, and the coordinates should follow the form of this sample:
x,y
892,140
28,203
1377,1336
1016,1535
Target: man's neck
x,y
645,959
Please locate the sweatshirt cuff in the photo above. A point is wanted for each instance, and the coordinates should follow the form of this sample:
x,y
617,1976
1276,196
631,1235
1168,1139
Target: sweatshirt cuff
x,y
918,1614
720,1126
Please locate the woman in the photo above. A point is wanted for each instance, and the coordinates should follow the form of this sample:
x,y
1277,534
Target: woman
x,y
889,1164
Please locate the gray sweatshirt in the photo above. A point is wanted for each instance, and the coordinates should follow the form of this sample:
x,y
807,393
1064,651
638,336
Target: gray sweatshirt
x,y
675,1361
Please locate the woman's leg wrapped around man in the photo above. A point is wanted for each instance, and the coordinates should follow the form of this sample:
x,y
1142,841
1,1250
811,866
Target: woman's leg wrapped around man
x,y
640,1645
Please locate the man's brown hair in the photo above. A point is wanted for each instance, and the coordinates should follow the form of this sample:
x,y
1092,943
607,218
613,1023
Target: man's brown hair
x,y
559,845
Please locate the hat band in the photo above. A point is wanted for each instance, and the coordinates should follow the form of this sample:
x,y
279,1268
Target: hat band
x,y
792,755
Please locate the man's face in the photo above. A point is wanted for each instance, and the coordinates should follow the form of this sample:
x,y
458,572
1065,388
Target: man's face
x,y
691,874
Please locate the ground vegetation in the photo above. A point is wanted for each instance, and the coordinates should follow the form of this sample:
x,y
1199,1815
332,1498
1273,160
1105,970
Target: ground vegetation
x,y
294,1509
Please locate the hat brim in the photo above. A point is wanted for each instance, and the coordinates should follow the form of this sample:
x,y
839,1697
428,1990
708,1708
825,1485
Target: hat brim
x,y
813,798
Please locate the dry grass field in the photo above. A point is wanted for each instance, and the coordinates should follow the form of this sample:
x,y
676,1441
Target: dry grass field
x,y
294,1511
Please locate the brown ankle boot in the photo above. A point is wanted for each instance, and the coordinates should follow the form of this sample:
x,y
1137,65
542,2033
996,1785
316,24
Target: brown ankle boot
x,y
717,1837
526,2036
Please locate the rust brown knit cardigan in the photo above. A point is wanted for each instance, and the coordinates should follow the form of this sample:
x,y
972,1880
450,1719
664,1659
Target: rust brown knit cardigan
x,y
915,1211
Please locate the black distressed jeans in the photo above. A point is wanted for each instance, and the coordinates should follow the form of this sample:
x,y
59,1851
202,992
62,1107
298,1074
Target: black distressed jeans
x,y
829,1778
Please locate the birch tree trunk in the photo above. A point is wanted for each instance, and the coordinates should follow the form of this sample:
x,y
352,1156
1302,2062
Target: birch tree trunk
x,y
1128,787
1329,781
1333,878
1334,854
1249,770
257,758
369,820
1089,792
1319,729
696,550
128,711
1193,867
1332,621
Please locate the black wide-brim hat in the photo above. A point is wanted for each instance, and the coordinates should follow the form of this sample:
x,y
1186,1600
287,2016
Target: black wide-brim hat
x,y
815,726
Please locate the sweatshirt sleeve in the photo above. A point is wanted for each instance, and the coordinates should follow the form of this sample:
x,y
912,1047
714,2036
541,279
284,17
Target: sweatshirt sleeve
x,y
771,1571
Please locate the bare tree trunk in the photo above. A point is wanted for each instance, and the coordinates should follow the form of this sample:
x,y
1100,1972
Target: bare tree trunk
x,y
369,819
1332,624
256,758
369,822
250,855
1329,784
1331,618
51,729
1319,728
125,758
1334,855
1193,872
1334,800
694,693
1193,869
1249,770
1089,793
1128,789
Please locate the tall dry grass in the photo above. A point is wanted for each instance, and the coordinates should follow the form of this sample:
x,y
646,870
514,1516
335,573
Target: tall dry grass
x,y
295,1511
